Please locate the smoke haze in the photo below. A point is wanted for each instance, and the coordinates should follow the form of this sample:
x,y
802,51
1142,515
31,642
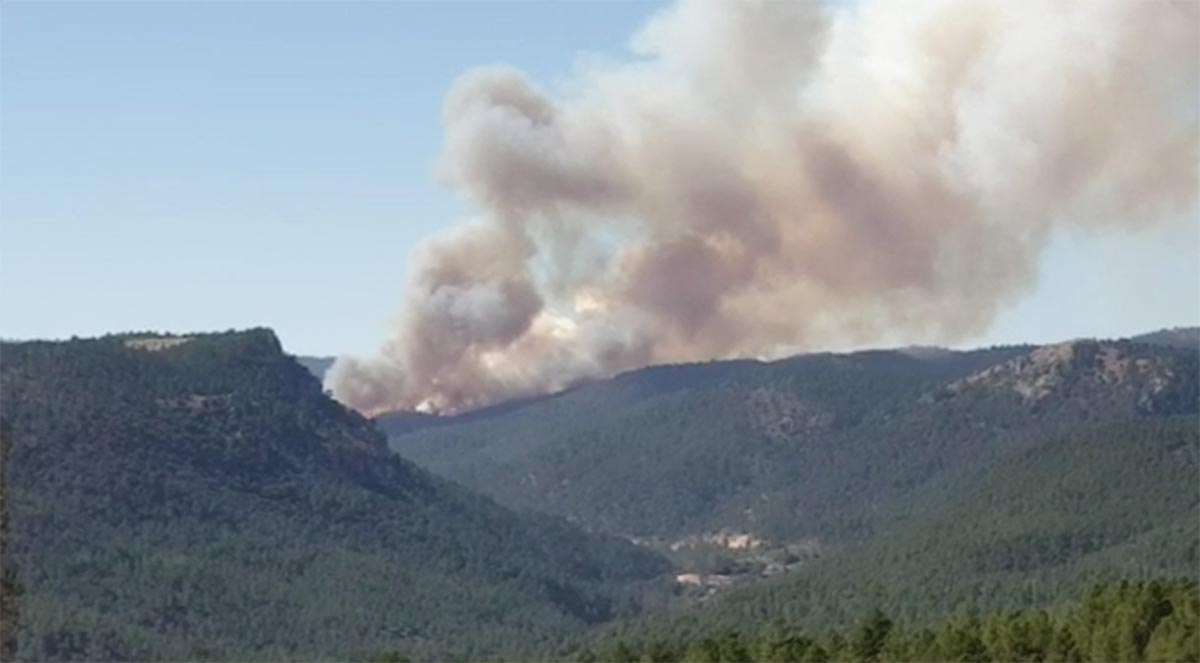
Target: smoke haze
x,y
764,177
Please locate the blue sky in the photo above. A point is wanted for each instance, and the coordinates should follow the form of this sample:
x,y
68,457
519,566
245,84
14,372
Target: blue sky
x,y
209,165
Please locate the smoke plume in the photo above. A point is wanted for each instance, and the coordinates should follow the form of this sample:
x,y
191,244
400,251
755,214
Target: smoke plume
x,y
757,178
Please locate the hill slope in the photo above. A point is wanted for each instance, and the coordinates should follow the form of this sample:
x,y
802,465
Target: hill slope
x,y
1108,502
1176,337
1155,620
930,479
200,497
817,445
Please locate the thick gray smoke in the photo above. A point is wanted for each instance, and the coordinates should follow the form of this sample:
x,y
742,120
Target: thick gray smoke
x,y
763,177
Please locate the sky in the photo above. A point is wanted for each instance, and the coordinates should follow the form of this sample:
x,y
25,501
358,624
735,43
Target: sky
x,y
192,166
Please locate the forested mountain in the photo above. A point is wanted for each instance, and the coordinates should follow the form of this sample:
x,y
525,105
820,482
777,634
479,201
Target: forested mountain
x,y
1109,502
1178,337
813,446
201,498
916,480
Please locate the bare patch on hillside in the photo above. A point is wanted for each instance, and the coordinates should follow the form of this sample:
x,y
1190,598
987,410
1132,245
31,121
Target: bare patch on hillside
x,y
156,344
781,416
1083,364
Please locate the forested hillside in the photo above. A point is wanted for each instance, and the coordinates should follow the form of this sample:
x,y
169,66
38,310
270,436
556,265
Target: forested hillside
x,y
1177,337
1111,502
920,481
1157,620
10,589
823,446
200,498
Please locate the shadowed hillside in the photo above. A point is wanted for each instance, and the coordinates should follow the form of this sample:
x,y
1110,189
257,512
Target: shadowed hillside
x,y
201,498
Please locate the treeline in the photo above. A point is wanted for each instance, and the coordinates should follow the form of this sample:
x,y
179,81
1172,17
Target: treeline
x,y
1157,620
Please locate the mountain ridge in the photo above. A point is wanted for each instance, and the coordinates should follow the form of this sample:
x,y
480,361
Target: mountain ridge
x,y
1185,337
202,498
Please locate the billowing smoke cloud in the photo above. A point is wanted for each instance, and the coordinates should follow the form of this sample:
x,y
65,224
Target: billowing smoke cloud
x,y
763,177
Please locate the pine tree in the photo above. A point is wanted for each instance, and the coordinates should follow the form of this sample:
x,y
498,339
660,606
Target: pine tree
x,y
868,640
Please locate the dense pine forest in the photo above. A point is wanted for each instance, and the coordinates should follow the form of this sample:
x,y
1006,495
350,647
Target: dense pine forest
x,y
1157,620
850,441
201,498
921,482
